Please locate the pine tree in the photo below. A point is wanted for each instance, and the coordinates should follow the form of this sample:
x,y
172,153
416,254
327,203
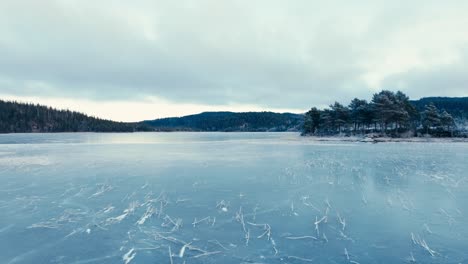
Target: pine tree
x,y
446,120
430,117
340,115
357,110
383,104
312,121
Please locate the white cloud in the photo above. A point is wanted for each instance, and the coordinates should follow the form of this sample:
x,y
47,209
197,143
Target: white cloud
x,y
227,54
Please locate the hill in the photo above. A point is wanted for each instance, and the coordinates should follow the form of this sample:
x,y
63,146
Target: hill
x,y
23,118
456,106
230,121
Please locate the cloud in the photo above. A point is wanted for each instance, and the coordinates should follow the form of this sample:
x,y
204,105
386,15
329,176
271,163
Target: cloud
x,y
442,79
273,54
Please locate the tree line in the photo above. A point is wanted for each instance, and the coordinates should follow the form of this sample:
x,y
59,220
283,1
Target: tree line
x,y
23,117
388,113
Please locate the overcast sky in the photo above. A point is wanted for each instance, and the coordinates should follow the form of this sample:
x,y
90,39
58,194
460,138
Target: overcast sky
x,y
134,60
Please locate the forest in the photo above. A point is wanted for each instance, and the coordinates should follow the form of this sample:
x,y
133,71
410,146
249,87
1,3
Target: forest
x,y
389,114
23,118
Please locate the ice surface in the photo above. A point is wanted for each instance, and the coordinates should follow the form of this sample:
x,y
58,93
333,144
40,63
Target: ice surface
x,y
230,198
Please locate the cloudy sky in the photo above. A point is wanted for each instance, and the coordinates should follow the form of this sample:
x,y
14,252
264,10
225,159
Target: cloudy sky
x,y
134,60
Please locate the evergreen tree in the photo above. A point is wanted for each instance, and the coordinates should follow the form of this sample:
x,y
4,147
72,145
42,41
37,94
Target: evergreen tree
x,y
404,111
384,108
367,114
446,120
357,109
392,109
328,121
340,116
430,117
312,121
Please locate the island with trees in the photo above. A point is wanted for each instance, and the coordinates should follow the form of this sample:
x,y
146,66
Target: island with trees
x,y
390,114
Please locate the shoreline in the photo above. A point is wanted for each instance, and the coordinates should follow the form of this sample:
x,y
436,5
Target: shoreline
x,y
387,139
310,138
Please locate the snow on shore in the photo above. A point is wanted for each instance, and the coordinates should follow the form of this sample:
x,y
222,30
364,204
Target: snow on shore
x,y
386,139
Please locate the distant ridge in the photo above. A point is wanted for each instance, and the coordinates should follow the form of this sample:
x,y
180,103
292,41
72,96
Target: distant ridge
x,y
231,121
456,106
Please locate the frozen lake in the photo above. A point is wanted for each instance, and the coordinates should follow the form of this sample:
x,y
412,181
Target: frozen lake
x,y
230,198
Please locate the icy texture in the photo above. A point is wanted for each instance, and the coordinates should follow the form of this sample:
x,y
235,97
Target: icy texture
x,y
230,198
